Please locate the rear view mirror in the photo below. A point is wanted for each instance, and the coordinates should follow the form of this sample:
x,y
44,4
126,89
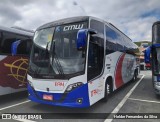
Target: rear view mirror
x,y
82,37
147,55
14,47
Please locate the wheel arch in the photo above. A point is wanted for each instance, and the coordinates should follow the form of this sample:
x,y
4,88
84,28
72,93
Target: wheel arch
x,y
111,79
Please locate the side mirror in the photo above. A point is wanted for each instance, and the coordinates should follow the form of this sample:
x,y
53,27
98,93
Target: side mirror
x,y
147,55
14,47
82,37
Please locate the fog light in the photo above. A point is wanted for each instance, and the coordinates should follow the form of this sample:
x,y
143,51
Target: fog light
x,y
79,100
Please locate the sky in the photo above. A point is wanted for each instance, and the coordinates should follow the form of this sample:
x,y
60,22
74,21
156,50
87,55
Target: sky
x,y
133,17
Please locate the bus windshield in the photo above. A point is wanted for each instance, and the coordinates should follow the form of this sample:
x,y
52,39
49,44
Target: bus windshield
x,y
156,34
156,60
54,52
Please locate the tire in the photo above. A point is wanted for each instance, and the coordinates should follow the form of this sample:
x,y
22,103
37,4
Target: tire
x,y
108,89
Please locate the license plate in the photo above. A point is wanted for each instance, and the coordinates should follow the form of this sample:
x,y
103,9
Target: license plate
x,y
47,97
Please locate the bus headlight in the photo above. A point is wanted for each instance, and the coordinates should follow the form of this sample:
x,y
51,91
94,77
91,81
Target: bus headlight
x,y
73,86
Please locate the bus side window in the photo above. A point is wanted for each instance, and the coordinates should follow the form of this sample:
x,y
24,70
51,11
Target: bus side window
x,y
8,39
0,42
24,47
114,41
156,33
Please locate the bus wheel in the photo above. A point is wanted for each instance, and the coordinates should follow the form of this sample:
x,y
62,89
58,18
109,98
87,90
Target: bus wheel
x,y
108,89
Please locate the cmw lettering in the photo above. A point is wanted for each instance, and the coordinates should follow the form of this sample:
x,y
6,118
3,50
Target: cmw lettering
x,y
73,27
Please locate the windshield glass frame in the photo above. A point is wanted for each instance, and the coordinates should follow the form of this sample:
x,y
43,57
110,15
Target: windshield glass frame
x,y
156,33
155,61
49,47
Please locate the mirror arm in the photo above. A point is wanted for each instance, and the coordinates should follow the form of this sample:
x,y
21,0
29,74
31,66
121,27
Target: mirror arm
x,y
14,47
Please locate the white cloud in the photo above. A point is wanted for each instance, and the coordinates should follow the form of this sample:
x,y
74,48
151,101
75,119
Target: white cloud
x,y
133,17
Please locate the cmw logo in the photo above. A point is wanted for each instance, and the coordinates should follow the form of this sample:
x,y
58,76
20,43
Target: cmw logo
x,y
73,27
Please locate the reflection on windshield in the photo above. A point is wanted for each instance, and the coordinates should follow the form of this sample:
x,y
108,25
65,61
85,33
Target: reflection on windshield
x,y
156,33
54,51
43,37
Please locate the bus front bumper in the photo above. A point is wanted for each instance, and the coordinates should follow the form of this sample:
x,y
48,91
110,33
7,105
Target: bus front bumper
x,y
76,98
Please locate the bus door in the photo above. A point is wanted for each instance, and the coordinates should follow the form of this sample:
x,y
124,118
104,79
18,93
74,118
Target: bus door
x,y
96,62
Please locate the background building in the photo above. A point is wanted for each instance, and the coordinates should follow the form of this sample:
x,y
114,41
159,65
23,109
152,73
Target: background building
x,y
142,46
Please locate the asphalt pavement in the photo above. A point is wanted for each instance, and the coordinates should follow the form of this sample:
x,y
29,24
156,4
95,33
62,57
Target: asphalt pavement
x,y
134,97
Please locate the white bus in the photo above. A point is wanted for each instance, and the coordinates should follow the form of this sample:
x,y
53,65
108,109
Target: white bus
x,y
13,69
78,61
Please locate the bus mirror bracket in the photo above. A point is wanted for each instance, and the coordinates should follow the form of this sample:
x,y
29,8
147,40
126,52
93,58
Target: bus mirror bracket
x,y
14,47
147,55
82,37
92,31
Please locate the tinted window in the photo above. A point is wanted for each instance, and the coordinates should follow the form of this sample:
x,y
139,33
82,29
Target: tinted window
x,y
0,41
98,26
96,50
156,33
156,60
25,47
7,40
114,41
95,59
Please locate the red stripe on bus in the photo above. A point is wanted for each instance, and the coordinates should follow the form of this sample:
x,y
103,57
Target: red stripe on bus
x,y
118,75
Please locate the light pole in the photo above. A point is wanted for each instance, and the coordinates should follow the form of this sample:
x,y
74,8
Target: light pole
x,y
76,4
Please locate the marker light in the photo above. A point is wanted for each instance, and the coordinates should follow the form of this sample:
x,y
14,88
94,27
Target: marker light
x,y
73,86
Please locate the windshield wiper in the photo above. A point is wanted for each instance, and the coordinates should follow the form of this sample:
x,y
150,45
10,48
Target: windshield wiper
x,y
57,62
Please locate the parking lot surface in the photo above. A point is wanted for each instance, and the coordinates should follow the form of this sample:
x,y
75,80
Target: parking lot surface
x,y
134,97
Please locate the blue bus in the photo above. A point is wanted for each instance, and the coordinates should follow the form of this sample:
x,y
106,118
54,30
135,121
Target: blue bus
x,y
152,55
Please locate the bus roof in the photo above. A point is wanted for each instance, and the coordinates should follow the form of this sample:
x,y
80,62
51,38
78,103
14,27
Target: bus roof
x,y
76,19
17,31
64,21
155,23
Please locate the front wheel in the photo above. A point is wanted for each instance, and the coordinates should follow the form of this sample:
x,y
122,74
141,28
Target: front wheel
x,y
108,90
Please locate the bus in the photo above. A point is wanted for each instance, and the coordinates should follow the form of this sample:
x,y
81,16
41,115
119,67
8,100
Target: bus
x,y
13,69
75,62
152,56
